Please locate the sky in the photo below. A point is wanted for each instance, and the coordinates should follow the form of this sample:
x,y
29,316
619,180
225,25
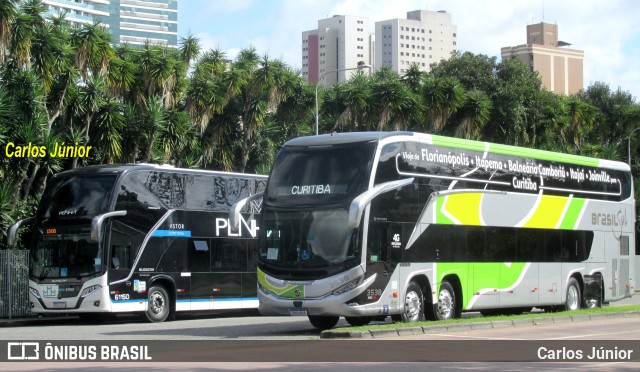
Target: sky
x,y
608,31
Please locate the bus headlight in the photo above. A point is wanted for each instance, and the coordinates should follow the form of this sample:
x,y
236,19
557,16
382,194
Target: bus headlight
x,y
347,287
89,290
34,292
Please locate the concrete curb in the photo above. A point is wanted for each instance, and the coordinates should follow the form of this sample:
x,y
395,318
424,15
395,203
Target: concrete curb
x,y
457,327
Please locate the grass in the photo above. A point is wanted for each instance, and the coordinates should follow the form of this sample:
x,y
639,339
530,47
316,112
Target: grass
x,y
603,310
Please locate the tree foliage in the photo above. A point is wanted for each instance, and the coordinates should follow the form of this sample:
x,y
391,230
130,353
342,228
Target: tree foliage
x,y
197,108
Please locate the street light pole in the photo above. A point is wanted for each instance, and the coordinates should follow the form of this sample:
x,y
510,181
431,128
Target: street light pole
x,y
361,65
629,144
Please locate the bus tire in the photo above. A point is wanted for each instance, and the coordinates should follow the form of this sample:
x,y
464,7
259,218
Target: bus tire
x,y
323,322
413,304
158,304
445,307
572,297
358,321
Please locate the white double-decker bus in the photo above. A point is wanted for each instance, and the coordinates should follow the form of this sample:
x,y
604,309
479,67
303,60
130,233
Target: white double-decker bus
x,y
415,226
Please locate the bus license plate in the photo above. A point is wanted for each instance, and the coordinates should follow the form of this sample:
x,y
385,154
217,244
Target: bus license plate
x,y
60,305
298,312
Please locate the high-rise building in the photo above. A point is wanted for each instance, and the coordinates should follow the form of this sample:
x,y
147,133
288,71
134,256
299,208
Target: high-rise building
x,y
339,42
425,37
129,21
560,68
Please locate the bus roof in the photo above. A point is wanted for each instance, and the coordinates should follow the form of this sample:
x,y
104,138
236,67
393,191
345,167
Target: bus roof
x,y
125,168
385,137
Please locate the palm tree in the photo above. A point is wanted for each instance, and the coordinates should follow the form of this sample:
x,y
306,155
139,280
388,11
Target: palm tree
x,y
90,99
189,49
580,120
268,86
153,121
442,97
94,52
413,77
22,35
356,97
7,13
174,135
473,115
394,101
110,123
122,74
204,98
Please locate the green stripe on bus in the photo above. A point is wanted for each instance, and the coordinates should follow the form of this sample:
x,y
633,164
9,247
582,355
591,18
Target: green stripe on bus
x,y
288,291
573,213
482,277
495,148
441,217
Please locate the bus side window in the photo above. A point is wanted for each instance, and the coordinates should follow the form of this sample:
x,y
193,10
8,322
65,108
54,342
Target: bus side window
x,y
199,255
120,255
553,245
229,256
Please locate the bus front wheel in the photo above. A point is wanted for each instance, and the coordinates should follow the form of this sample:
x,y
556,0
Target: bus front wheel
x,y
445,308
413,304
323,322
158,304
573,297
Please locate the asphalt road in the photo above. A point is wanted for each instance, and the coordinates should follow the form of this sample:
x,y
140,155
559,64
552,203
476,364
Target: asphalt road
x,y
234,342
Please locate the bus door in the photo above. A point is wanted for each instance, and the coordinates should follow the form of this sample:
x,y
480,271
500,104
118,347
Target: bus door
x,y
383,254
122,245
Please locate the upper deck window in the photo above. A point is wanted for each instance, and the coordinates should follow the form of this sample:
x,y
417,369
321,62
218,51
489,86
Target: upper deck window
x,y
321,174
77,196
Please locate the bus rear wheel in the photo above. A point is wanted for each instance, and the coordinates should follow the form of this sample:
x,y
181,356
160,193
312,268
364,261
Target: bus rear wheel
x,y
158,304
445,308
323,322
573,297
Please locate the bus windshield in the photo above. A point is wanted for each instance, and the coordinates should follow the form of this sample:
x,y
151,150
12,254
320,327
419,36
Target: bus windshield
x,y
77,196
332,174
307,239
70,254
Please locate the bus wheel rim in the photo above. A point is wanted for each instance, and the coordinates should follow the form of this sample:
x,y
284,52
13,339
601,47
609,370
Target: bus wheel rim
x,y
157,303
412,306
572,298
445,304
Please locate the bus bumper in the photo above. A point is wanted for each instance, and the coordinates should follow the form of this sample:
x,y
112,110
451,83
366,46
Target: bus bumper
x,y
89,297
329,305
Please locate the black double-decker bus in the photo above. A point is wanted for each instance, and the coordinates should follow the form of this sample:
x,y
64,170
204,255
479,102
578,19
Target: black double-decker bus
x,y
142,238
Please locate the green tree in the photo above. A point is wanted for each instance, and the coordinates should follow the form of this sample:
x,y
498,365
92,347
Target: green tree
x,y
473,114
441,97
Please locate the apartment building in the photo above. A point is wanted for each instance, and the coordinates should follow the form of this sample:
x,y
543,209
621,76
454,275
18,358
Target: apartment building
x,y
129,21
339,42
423,38
560,68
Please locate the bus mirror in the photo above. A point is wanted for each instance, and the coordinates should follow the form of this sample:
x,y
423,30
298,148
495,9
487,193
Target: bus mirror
x,y
96,223
12,235
361,201
234,211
